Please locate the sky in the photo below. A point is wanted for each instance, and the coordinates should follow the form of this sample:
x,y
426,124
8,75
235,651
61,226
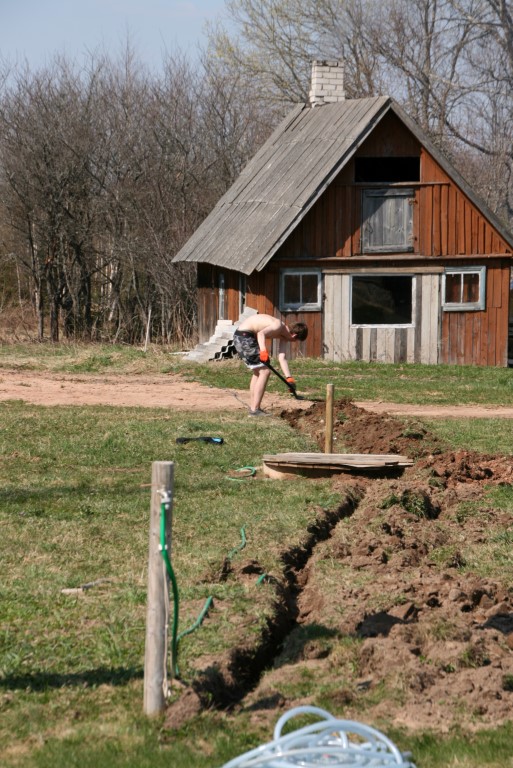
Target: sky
x,y
36,30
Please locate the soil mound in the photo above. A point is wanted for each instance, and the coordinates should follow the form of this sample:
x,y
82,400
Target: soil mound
x,y
395,605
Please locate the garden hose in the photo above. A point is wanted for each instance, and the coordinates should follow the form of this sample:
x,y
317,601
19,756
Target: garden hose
x,y
175,637
241,545
334,742
198,621
243,472
165,555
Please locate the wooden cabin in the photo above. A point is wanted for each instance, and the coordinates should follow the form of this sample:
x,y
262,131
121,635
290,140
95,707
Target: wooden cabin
x,y
351,220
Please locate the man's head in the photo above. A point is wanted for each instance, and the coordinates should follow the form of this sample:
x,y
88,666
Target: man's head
x,y
300,331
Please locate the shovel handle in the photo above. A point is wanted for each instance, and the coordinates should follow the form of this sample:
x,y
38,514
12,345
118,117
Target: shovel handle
x,y
290,387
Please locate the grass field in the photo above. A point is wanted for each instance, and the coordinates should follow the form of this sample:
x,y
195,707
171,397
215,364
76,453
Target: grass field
x,y
75,510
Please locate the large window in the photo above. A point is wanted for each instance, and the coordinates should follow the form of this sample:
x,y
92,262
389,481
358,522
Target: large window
x,y
387,220
300,289
463,288
382,299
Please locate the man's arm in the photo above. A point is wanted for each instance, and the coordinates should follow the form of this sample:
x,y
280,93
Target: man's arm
x,y
284,364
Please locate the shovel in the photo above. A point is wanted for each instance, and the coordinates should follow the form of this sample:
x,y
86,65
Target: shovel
x,y
290,386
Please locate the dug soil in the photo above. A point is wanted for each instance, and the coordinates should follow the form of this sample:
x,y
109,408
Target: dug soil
x,y
380,605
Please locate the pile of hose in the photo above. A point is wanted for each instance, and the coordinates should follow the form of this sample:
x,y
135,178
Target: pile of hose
x,y
329,742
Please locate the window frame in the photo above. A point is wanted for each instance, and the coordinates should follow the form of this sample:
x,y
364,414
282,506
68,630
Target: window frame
x,y
300,307
407,194
411,324
465,306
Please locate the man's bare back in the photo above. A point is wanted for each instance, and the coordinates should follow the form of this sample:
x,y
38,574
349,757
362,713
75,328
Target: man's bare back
x,y
270,327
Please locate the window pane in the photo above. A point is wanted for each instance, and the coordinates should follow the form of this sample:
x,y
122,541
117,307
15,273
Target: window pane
x,y
292,289
465,289
381,300
310,283
470,287
453,289
300,290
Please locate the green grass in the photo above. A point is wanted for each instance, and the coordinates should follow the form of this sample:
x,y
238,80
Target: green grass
x,y
419,384
74,508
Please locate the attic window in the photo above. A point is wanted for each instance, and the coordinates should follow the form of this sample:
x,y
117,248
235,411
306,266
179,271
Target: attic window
x,y
300,289
463,288
386,170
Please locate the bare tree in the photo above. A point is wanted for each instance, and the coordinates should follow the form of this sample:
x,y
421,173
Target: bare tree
x,y
275,42
448,62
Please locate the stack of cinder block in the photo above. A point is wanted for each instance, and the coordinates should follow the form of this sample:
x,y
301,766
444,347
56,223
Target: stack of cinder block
x,y
220,345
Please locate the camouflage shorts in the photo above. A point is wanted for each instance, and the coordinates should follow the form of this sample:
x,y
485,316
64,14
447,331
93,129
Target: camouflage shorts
x,y
246,344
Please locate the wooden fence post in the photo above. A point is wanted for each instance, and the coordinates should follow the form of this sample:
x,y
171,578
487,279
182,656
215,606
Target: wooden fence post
x,y
155,657
328,437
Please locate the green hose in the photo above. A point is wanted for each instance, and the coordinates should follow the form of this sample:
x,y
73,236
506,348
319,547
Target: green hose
x,y
172,578
241,545
175,637
198,621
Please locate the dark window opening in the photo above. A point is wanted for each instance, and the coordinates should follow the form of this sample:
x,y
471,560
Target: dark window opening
x,y
382,300
390,170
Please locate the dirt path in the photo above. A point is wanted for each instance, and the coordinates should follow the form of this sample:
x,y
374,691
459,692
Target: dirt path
x,y
158,391
171,391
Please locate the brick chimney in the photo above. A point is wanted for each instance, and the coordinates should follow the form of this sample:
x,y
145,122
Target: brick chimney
x,y
327,82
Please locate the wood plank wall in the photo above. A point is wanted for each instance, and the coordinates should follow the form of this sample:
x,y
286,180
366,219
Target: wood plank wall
x,y
480,338
418,343
446,224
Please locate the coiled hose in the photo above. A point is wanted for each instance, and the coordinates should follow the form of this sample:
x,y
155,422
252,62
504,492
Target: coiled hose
x,y
330,742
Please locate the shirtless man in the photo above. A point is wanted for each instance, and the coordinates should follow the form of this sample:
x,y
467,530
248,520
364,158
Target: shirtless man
x,y
250,342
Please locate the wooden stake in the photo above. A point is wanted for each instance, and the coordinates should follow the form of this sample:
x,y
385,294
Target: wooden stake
x,y
148,324
328,438
155,657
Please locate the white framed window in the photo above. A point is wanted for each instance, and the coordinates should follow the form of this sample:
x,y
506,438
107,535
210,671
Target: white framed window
x,y
300,289
463,289
382,300
387,220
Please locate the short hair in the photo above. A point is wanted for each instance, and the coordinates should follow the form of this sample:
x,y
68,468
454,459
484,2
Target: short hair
x,y
300,330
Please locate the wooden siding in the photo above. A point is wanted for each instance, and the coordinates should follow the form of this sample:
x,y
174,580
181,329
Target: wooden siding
x,y
445,223
481,337
207,302
418,343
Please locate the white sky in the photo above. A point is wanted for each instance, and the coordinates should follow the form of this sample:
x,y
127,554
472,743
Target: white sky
x,y
36,30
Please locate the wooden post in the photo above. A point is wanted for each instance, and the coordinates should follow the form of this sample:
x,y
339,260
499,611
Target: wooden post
x,y
155,657
328,438
148,324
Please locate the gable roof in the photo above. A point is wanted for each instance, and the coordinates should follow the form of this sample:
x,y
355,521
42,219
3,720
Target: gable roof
x,y
288,175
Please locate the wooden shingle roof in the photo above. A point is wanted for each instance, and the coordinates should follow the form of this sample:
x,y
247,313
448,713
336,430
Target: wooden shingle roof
x,y
288,175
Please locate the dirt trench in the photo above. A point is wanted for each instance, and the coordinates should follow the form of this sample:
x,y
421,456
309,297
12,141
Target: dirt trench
x,y
378,602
